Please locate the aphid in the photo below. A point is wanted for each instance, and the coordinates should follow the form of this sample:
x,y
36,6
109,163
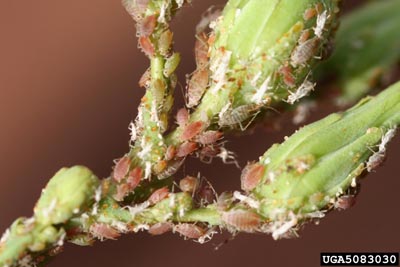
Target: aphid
x,y
164,42
196,87
191,130
188,184
171,64
303,52
103,231
375,161
160,228
205,193
201,50
121,168
170,153
251,176
304,89
159,90
182,117
237,116
304,36
309,13
145,79
147,25
207,153
189,230
242,220
345,202
158,195
321,21
209,137
186,149
146,46
288,78
134,178
136,8
159,166
122,190
171,169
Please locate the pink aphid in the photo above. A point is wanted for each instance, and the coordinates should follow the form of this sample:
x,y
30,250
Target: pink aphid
x,y
103,231
170,153
188,184
134,177
345,202
121,168
122,190
309,13
182,117
205,193
207,153
145,79
209,137
192,130
146,46
251,176
160,228
288,78
136,8
189,230
242,220
197,86
186,149
147,25
201,50
158,195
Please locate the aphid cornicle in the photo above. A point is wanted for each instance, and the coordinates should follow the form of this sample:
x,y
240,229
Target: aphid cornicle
x,y
191,130
160,228
303,52
158,195
242,220
251,176
196,87
103,231
189,230
121,168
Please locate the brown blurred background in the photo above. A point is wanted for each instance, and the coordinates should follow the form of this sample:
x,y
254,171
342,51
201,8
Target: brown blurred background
x,y
68,90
